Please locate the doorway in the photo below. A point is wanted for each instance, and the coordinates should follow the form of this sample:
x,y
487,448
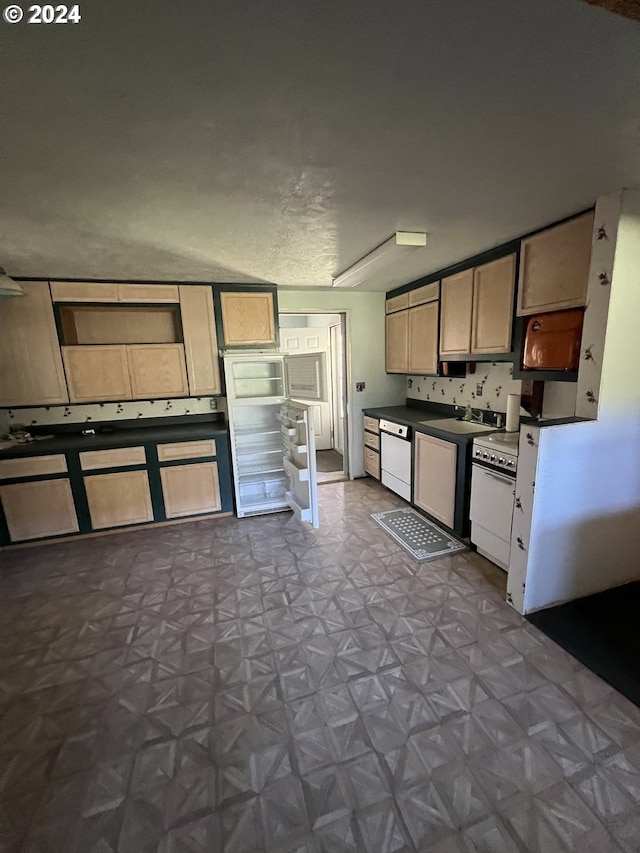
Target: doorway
x,y
323,333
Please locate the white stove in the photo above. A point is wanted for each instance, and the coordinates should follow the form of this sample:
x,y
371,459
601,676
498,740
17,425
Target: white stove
x,y
493,477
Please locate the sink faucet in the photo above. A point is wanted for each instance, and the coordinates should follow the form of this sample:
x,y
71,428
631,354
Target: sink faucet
x,y
470,416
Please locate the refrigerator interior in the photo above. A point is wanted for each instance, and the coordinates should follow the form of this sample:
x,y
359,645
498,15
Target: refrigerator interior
x,y
261,481
257,378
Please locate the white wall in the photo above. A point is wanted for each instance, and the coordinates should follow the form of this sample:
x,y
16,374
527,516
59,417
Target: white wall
x,y
365,354
585,527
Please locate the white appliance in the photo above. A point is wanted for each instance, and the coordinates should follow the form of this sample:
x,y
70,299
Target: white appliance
x,y
395,458
272,436
493,480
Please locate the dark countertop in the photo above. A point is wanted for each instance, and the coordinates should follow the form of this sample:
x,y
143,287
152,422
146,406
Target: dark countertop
x,y
118,438
412,417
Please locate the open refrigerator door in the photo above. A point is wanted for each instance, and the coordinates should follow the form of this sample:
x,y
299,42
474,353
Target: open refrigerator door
x,y
298,440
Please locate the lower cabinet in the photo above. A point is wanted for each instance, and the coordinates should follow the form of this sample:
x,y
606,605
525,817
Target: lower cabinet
x,y
118,499
90,490
434,477
190,489
38,509
371,440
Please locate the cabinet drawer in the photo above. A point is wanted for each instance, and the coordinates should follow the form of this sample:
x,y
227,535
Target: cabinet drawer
x,y
371,424
32,467
148,293
372,440
90,460
186,450
372,463
396,303
83,291
427,293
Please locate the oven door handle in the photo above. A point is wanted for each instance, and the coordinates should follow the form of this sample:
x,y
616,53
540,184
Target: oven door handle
x,y
504,478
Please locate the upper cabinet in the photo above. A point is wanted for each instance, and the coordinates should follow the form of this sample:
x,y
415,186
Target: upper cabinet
x,y
423,338
397,342
200,340
492,313
457,306
89,291
30,362
249,317
477,309
554,267
97,373
412,331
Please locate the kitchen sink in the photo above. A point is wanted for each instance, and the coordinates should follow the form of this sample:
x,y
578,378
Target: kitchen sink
x,y
454,425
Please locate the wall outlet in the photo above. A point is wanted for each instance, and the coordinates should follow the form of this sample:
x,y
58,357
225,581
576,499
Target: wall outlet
x,y
479,389
359,386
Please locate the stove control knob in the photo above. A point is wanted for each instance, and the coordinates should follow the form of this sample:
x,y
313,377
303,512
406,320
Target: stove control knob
x,y
493,458
478,453
510,463
485,455
502,460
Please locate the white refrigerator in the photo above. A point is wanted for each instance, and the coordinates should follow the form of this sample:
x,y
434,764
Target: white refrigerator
x,y
272,435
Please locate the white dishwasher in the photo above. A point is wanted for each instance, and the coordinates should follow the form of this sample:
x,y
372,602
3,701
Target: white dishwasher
x,y
395,458
493,480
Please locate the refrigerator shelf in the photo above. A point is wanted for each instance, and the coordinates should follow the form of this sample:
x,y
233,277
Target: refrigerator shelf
x,y
255,429
253,449
259,469
299,474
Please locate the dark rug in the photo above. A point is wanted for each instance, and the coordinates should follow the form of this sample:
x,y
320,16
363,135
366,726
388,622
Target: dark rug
x,y
420,537
328,460
603,632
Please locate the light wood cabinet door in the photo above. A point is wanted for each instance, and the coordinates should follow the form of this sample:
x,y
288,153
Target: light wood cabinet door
x,y
157,370
190,489
397,342
31,371
493,288
118,499
200,340
423,339
248,318
83,291
434,480
456,304
554,267
426,293
39,509
148,293
396,303
97,373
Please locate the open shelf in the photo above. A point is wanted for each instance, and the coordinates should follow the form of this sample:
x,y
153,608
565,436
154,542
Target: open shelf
x,y
87,325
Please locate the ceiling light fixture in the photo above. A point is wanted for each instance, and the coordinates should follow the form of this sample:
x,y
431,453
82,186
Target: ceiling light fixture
x,y
9,287
382,257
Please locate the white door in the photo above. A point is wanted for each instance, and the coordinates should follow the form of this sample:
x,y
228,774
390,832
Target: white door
x,y
305,341
298,437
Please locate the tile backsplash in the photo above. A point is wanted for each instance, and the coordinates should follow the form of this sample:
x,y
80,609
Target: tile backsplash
x,y
87,412
494,379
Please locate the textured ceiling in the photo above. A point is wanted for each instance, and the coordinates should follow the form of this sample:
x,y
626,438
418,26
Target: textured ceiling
x,y
280,141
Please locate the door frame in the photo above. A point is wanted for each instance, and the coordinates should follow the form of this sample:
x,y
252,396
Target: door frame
x,y
346,377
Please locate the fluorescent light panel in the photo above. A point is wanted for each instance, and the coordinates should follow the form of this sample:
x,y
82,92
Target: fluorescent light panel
x,y
385,255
